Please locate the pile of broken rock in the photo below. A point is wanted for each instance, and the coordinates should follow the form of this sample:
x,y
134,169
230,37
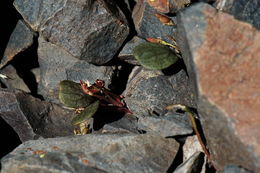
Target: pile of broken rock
x,y
217,76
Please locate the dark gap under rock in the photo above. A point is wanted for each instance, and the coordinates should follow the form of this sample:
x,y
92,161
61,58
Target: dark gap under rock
x,y
211,2
175,68
104,116
120,77
127,10
177,160
9,17
24,63
10,139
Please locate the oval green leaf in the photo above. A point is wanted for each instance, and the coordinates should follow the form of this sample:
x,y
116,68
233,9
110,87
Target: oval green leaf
x,y
87,113
71,95
154,56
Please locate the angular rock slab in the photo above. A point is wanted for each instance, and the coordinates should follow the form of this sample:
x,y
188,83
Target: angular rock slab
x,y
149,91
193,164
87,29
32,118
148,25
16,81
222,58
245,10
56,65
93,153
20,39
171,124
126,54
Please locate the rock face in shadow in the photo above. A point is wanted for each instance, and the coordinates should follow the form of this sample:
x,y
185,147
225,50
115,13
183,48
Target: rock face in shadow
x,y
93,153
222,58
20,39
193,164
32,118
245,10
57,65
89,30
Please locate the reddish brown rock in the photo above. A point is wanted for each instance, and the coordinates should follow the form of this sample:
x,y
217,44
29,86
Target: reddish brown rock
x,y
222,58
168,6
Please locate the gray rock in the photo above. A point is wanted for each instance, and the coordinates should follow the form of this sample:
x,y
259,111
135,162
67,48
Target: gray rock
x,y
191,146
171,124
20,39
128,123
37,12
14,81
221,71
149,91
89,30
245,10
235,169
126,54
32,118
193,164
57,65
93,153
148,25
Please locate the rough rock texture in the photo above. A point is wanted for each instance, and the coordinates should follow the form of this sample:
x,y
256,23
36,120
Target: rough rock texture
x,y
168,6
32,118
222,57
14,80
193,164
20,39
57,65
246,10
128,123
150,91
191,146
89,30
235,169
93,153
144,17
168,125
126,54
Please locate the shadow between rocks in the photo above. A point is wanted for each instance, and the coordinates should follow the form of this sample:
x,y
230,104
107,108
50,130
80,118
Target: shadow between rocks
x,y
104,116
10,140
24,62
8,17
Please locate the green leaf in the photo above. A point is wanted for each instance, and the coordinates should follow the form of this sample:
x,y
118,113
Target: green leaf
x,y
154,56
71,95
87,113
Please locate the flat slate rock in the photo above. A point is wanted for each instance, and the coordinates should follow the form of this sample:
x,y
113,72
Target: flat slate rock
x,y
222,59
168,125
57,65
193,164
20,39
93,153
89,30
32,118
